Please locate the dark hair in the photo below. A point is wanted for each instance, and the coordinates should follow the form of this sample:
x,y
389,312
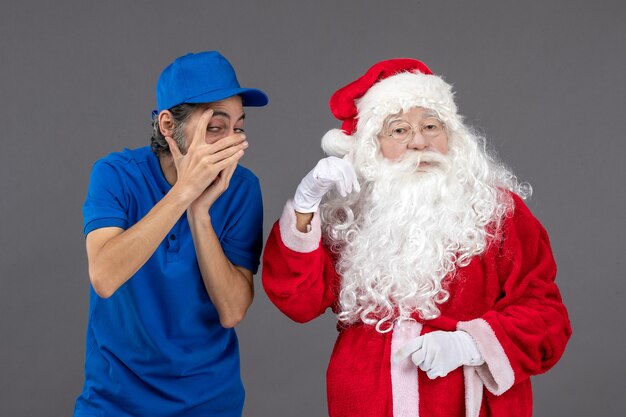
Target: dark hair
x,y
180,113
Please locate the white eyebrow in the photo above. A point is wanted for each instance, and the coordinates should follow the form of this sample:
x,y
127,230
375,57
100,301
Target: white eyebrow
x,y
431,113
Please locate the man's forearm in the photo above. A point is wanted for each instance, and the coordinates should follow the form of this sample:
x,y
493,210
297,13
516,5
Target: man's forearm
x,y
230,288
121,256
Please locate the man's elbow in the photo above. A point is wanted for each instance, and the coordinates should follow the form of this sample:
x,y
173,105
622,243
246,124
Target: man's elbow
x,y
232,317
231,320
101,283
231,314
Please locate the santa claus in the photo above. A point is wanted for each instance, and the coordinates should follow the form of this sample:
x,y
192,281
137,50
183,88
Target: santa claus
x,y
418,239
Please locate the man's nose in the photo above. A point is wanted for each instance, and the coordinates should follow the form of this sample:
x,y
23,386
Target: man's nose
x,y
418,141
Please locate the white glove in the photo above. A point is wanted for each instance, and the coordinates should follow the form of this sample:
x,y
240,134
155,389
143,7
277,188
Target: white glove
x,y
328,173
438,353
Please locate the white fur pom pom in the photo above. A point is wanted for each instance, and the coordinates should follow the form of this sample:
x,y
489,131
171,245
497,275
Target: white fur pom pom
x,y
336,143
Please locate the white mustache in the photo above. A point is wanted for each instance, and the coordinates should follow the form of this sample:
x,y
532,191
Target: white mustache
x,y
411,160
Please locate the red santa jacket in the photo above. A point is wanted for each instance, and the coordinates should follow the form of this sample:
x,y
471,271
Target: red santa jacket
x,y
506,299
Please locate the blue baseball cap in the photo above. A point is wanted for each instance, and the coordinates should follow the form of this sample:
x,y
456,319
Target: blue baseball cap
x,y
204,77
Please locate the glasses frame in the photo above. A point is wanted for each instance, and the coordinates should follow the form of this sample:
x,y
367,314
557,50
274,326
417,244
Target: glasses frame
x,y
413,129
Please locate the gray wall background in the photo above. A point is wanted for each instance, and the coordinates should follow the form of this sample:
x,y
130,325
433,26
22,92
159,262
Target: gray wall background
x,y
543,80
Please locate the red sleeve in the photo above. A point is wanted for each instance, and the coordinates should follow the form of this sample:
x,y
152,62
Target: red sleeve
x,y
298,273
527,330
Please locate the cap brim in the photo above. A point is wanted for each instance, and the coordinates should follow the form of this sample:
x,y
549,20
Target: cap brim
x,y
250,97
254,98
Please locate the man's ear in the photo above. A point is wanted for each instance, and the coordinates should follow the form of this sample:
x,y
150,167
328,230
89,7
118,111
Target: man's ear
x,y
166,123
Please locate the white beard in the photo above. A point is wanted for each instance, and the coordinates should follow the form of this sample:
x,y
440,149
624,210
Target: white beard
x,y
405,234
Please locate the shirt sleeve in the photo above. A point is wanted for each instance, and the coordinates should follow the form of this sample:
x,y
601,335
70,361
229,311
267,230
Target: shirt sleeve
x,y
243,241
299,276
106,204
527,330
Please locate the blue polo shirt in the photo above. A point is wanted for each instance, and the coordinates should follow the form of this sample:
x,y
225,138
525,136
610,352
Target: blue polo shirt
x,y
156,346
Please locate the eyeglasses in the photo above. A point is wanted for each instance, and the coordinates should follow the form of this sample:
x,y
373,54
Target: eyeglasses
x,y
402,131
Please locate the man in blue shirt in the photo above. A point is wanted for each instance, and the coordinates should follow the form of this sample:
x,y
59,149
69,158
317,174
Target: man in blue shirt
x,y
173,234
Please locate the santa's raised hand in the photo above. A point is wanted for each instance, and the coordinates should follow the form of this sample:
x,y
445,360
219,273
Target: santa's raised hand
x,y
329,173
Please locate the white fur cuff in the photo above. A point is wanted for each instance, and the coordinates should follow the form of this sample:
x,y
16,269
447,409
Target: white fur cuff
x,y
496,373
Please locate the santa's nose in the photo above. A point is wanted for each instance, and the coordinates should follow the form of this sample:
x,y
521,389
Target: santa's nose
x,y
418,141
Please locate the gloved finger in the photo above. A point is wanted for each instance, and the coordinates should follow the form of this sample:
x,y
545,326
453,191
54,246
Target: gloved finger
x,y
355,184
408,349
435,373
346,183
341,188
350,176
350,179
341,185
418,359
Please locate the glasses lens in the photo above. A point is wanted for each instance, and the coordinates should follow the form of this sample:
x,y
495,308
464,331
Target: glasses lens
x,y
400,131
431,127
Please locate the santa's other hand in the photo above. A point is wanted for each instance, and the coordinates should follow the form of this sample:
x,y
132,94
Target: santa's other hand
x,y
407,350
439,352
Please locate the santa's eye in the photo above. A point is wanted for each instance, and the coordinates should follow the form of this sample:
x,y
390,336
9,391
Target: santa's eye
x,y
432,125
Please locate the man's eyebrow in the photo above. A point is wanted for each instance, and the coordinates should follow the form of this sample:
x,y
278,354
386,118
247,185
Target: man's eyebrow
x,y
221,113
430,113
226,115
396,119
426,115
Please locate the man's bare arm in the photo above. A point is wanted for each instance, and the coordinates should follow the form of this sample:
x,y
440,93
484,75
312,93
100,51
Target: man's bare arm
x,y
115,254
230,287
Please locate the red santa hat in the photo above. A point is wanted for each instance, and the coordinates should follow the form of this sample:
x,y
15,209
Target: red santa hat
x,y
388,87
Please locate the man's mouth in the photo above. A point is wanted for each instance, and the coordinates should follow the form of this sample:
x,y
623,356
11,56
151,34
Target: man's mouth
x,y
426,165
428,162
